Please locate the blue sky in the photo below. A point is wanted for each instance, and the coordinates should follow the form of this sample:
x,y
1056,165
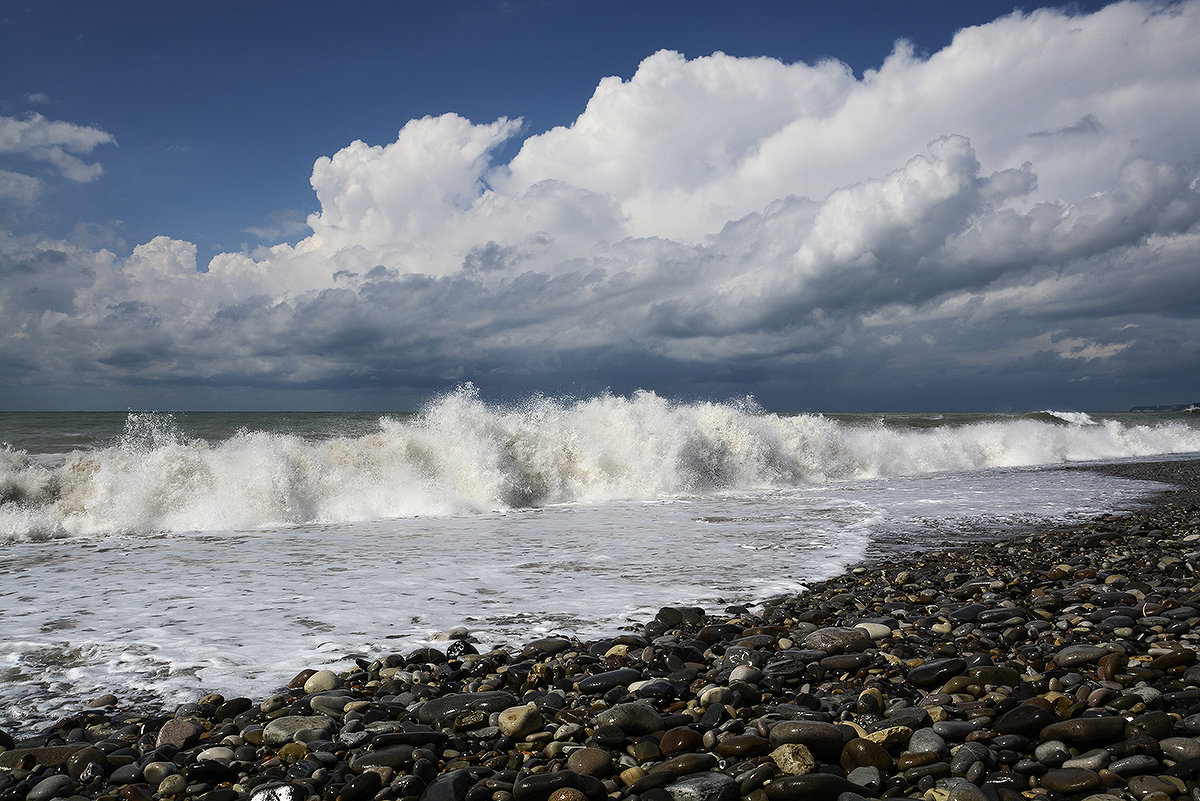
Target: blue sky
x,y
999,212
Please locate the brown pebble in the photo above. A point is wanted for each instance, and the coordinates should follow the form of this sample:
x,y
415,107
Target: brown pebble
x,y
567,794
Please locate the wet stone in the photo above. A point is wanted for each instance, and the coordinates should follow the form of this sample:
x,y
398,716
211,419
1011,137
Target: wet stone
x,y
680,739
591,762
704,787
836,640
1077,655
1070,780
631,718
859,752
51,787
936,672
179,733
743,745
1086,730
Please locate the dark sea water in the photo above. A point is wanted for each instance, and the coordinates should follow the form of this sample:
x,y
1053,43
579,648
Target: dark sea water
x,y
163,556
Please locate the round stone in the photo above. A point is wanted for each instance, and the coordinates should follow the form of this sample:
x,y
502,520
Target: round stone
x,y
859,752
321,682
155,772
567,794
590,762
631,718
679,740
519,721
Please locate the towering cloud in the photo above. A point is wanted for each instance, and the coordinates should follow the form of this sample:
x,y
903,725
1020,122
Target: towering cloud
x,y
1019,210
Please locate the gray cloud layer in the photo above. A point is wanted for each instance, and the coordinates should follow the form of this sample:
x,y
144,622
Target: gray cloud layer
x,y
1014,220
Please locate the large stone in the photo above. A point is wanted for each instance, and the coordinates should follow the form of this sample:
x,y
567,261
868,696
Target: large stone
x,y
603,682
540,786
1025,720
394,756
936,672
1086,730
824,740
811,787
448,707
1070,780
50,756
631,718
1076,655
57,786
704,787
283,730
836,640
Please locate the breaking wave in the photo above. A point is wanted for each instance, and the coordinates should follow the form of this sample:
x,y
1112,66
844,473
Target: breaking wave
x,y
461,455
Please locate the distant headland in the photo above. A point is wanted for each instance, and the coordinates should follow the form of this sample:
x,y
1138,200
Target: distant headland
x,y
1178,407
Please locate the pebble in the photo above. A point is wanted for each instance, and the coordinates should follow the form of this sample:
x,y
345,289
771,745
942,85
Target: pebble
x,y
1059,665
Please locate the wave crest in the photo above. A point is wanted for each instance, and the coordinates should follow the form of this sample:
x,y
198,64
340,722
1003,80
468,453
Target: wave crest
x,y
462,455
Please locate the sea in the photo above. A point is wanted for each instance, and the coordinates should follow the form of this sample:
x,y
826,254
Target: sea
x,y
163,556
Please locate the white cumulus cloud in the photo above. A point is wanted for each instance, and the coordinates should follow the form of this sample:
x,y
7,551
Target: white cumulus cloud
x,y
1019,209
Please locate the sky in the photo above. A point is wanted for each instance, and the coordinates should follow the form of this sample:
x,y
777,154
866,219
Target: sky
x,y
361,205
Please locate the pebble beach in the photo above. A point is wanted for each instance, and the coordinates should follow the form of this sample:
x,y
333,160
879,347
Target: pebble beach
x,y
1059,664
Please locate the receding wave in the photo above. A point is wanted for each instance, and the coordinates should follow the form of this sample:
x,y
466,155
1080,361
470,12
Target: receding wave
x,y
462,455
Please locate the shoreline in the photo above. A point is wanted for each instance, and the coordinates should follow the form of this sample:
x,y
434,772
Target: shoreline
x,y
939,674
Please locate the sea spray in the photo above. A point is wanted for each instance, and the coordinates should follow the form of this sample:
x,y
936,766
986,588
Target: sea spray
x,y
461,455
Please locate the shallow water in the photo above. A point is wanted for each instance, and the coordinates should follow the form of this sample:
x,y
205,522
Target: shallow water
x,y
179,564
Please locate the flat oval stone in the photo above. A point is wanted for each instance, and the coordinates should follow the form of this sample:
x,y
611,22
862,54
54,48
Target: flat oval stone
x,y
1180,748
394,757
811,787
1086,730
603,682
1026,720
928,740
362,786
1070,780
631,718
704,787
51,787
846,663
540,786
1134,765
179,733
282,730
743,745
332,705
936,672
449,706
1076,655
683,764
825,740
836,640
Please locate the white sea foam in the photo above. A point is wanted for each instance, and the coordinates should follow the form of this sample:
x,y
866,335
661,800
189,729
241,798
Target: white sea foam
x,y
462,456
